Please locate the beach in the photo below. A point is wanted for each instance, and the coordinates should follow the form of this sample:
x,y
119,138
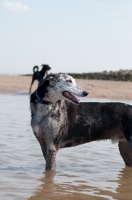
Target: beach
x,y
95,88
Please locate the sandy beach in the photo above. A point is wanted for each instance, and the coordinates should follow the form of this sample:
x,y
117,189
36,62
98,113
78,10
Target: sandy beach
x,y
95,88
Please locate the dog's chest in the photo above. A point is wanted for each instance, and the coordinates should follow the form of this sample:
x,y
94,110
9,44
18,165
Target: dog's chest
x,y
49,123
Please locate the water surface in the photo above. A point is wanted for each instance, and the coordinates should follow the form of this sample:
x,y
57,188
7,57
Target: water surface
x,y
92,171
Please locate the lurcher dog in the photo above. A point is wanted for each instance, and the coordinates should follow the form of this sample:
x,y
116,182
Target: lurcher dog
x,y
58,119
39,75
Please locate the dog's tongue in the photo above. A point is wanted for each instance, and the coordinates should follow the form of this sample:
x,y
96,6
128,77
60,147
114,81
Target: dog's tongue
x,y
71,97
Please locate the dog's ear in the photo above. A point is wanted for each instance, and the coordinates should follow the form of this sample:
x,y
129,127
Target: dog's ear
x,y
54,79
51,78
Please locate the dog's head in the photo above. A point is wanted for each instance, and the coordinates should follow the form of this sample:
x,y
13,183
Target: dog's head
x,y
45,67
61,87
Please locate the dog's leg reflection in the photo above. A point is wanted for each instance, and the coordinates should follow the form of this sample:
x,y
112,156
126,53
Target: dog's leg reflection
x,y
47,188
48,185
49,176
126,152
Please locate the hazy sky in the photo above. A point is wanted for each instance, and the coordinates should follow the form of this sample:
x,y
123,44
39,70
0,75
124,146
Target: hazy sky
x,y
69,35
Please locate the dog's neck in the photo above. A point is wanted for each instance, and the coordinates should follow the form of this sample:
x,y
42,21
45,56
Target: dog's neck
x,y
43,96
41,100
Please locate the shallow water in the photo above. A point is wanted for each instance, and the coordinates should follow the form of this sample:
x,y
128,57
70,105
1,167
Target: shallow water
x,y
92,171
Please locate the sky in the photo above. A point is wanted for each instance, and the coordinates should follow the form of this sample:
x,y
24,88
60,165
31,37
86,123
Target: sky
x,y
71,36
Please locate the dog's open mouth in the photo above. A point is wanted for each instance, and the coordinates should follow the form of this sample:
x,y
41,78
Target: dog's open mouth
x,y
69,96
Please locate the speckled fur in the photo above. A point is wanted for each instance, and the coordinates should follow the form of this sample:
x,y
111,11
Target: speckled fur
x,y
64,124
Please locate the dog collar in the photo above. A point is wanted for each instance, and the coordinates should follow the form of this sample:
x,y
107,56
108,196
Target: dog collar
x,y
40,100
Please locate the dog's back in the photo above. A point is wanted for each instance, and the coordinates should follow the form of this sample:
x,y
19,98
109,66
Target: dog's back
x,y
97,121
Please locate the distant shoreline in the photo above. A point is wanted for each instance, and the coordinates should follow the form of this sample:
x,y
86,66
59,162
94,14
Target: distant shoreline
x,y
121,75
96,88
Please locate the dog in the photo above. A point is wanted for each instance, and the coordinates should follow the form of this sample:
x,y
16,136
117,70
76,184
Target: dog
x,y
59,120
38,75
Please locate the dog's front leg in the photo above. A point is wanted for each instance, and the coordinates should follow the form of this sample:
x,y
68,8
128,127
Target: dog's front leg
x,y
50,158
43,147
49,153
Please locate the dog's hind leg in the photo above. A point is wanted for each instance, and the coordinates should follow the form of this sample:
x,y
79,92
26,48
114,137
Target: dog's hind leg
x,y
125,152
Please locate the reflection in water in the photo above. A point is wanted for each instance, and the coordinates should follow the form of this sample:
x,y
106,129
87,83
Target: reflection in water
x,y
91,171
51,189
124,190
63,190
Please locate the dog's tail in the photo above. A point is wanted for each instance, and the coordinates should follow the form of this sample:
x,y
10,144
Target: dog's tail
x,y
35,68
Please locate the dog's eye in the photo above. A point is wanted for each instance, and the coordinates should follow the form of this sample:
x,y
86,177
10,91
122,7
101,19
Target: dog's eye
x,y
69,81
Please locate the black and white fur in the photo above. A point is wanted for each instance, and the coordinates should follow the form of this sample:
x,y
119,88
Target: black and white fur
x,y
59,120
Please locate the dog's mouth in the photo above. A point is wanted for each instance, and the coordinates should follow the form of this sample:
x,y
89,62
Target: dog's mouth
x,y
69,96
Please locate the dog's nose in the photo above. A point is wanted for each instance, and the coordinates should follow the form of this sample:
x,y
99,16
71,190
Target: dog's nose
x,y
85,93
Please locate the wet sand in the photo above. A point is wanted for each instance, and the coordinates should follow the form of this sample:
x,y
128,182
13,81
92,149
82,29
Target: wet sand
x,y
96,88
